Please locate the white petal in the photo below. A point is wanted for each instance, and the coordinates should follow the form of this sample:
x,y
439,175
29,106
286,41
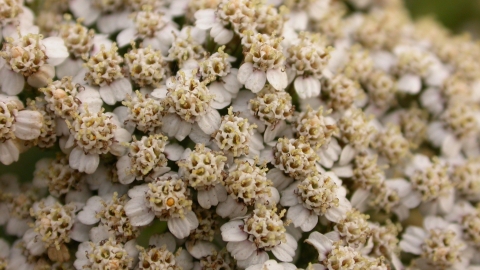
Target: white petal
x,y
138,191
446,202
244,72
258,257
124,166
210,122
160,92
55,50
412,200
298,20
199,249
28,124
231,231
231,208
87,163
232,84
109,23
198,136
164,239
279,179
171,124
277,78
451,147
204,18
348,153
344,172
91,98
173,151
88,214
83,9
183,130
138,212
220,34
241,250
401,186
321,243
203,197
69,67
298,214
79,232
409,83
12,82
41,78
125,36
107,95
121,88
285,251
359,198
335,214
33,245
307,87
310,223
121,136
289,198
216,88
256,81
180,227
17,227
411,242
221,192
100,233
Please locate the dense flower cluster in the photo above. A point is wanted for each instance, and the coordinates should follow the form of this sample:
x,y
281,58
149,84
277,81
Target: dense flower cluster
x,y
237,134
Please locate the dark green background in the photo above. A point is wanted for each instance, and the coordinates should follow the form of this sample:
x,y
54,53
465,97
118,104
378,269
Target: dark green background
x,y
459,15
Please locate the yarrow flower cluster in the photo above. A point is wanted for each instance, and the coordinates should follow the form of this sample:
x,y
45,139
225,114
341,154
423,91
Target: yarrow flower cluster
x,y
237,134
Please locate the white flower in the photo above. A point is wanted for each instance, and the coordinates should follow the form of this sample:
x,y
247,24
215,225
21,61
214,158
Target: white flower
x,y
272,265
109,212
330,252
226,86
412,64
109,15
307,59
468,217
438,243
264,61
237,137
31,57
203,169
166,198
16,124
145,158
317,195
187,100
161,254
16,206
430,184
93,134
105,254
249,246
391,195
457,129
104,73
303,11
246,185
105,181
154,29
54,226
238,14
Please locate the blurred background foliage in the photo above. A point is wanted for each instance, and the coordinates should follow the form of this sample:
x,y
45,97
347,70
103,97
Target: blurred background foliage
x,y
458,15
